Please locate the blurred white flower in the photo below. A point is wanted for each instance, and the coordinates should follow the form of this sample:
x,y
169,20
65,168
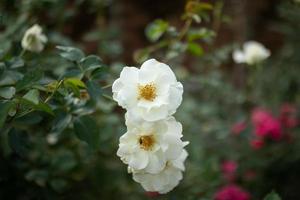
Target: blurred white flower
x,y
164,181
34,39
151,92
148,145
252,53
52,139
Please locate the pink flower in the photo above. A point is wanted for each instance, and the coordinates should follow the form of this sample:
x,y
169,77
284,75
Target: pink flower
x,y
229,168
257,143
266,125
232,192
259,115
238,127
288,115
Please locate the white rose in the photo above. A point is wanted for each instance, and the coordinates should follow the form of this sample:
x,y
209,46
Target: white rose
x,y
148,145
252,53
151,92
34,39
164,181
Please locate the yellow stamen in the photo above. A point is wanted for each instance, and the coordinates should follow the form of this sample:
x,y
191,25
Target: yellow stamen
x,y
146,142
147,92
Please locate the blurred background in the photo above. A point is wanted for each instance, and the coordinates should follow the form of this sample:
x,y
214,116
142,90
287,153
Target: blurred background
x,y
42,156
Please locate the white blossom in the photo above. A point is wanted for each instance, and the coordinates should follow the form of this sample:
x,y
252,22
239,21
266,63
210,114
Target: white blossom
x,y
34,39
151,92
165,180
252,53
148,145
52,139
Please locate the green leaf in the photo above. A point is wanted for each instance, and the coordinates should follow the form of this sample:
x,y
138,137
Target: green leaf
x,y
61,121
195,49
86,129
202,33
33,96
91,62
28,80
76,82
94,90
75,85
7,92
156,29
16,62
272,196
44,107
99,74
71,53
10,77
4,109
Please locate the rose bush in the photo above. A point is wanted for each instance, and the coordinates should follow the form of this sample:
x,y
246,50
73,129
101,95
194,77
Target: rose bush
x,y
65,88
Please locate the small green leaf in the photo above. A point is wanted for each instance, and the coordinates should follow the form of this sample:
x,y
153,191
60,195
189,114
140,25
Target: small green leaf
x,y
202,33
28,80
86,129
99,74
7,92
94,90
75,85
33,96
9,77
156,29
16,62
44,107
91,62
272,196
195,49
61,121
76,82
5,106
71,53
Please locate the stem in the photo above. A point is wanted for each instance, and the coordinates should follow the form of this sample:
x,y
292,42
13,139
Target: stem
x,y
106,86
56,88
22,53
185,29
108,97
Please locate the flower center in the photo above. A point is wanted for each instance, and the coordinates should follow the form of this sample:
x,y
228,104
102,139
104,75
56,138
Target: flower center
x,y
146,142
147,92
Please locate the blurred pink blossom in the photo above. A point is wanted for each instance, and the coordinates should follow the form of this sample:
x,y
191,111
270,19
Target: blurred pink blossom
x,y
238,127
266,125
229,168
257,143
232,192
